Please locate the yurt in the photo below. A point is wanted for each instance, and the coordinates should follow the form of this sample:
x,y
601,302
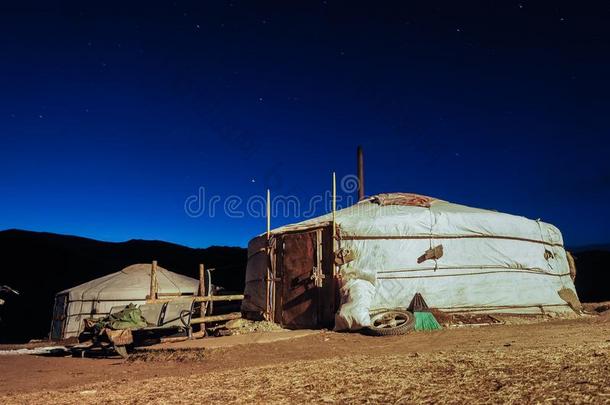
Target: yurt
x,y
388,247
97,297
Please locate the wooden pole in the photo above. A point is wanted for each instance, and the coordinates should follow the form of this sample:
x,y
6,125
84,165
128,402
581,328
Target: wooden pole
x,y
203,306
268,308
268,214
201,292
334,241
334,204
208,298
215,318
153,281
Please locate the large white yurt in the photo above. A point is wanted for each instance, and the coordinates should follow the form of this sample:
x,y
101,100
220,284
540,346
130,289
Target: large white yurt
x,y
97,297
389,247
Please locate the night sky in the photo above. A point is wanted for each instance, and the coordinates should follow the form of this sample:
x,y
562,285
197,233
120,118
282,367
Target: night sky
x,y
112,115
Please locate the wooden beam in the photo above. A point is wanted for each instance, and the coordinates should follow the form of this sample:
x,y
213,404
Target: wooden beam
x,y
235,297
207,298
215,318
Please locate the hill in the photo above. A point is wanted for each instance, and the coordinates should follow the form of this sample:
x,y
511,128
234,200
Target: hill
x,y
39,264
589,248
593,273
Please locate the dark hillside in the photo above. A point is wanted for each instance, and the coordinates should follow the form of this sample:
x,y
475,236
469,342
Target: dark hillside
x,y
593,274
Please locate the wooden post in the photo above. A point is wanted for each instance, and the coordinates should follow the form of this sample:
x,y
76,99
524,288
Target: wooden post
x,y
334,207
268,214
201,292
153,281
334,238
203,305
268,308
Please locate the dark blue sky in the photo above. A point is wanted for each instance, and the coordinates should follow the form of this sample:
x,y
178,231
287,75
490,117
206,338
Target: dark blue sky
x,y
111,117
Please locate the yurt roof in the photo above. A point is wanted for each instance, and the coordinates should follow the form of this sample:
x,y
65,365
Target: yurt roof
x,y
132,283
412,215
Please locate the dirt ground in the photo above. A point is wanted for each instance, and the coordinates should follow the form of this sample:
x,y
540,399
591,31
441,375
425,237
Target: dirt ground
x,y
558,361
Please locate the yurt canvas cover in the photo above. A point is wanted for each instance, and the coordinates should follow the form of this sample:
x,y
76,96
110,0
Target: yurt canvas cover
x,y
97,297
389,247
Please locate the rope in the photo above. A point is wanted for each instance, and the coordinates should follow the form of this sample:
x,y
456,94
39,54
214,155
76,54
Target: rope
x,y
472,274
381,237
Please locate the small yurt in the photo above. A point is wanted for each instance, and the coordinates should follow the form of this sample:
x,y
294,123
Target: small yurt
x,y
386,248
96,297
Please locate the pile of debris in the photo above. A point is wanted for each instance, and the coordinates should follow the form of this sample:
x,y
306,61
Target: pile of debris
x,y
243,326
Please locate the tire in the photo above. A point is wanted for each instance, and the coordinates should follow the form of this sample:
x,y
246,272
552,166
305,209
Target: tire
x,y
391,322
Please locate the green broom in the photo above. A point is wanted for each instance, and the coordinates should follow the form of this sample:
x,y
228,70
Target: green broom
x,y
424,320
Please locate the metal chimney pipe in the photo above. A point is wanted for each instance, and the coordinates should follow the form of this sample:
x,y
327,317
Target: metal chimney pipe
x,y
360,174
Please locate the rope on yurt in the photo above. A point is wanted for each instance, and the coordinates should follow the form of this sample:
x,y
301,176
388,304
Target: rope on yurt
x,y
168,279
432,223
551,256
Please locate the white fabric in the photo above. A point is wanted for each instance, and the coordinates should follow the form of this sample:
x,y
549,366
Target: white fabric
x,y
356,298
130,285
491,262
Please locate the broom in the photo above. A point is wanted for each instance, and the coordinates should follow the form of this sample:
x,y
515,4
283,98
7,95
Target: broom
x,y
424,320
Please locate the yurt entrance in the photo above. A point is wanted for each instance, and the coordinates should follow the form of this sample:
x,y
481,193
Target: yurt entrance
x,y
304,283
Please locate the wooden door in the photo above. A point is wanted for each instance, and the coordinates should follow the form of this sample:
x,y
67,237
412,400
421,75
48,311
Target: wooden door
x,y
303,258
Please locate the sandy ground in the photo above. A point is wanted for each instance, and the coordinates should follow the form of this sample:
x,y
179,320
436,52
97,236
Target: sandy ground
x,y
557,362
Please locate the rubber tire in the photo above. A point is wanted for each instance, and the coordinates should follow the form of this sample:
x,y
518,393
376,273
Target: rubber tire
x,y
402,329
